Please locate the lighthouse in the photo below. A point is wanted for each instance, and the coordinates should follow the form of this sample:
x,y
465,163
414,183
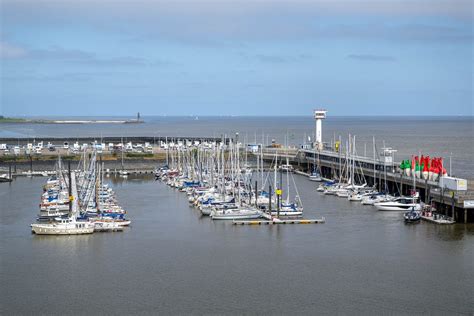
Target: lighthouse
x,y
319,116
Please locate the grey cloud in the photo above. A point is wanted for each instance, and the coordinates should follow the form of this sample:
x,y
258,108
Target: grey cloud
x,y
85,58
369,57
8,50
227,22
75,56
277,59
62,77
406,32
147,8
271,59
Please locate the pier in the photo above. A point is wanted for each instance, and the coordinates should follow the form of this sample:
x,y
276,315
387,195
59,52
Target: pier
x,y
447,202
385,176
276,221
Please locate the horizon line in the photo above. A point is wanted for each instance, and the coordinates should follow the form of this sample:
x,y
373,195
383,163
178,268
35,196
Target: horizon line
x,y
240,115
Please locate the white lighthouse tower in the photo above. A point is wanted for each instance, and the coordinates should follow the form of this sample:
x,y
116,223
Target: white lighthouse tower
x,y
319,116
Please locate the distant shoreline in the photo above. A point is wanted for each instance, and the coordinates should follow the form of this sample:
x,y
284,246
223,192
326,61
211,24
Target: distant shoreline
x,y
39,121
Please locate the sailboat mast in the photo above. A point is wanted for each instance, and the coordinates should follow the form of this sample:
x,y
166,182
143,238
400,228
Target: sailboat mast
x,y
287,182
373,149
122,152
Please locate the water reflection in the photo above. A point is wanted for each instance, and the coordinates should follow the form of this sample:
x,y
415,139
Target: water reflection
x,y
172,256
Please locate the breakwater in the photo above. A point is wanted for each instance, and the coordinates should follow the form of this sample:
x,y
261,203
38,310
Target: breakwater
x,y
12,141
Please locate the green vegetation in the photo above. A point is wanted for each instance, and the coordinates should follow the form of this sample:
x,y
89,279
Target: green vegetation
x,y
11,120
139,155
4,119
76,157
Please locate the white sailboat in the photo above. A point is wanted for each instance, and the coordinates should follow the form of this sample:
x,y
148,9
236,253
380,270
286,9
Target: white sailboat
x,y
235,214
123,172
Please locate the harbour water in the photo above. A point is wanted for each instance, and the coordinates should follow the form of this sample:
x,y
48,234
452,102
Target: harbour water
x,y
433,136
173,261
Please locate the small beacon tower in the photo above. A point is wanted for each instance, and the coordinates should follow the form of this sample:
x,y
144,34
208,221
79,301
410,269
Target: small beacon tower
x,y
319,115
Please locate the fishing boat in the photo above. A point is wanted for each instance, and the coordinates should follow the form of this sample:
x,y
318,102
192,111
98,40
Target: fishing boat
x,y
68,226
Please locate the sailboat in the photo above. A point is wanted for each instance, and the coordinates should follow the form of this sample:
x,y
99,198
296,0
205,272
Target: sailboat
x,y
123,172
239,211
287,208
316,174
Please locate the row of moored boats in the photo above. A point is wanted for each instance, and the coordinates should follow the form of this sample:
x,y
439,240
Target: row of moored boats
x,y
79,202
219,183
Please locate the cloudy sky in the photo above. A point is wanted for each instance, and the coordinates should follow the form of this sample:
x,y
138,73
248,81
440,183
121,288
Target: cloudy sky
x,y
261,57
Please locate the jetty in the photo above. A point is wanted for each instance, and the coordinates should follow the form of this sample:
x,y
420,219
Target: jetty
x,y
277,221
454,203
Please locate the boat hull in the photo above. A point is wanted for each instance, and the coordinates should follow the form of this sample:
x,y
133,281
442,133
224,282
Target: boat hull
x,y
45,230
288,213
235,215
393,208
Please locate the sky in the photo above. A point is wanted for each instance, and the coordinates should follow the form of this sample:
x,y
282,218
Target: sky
x,y
241,57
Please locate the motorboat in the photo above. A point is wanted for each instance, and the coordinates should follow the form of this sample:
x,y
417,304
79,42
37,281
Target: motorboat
x,y
358,196
399,204
5,178
375,198
286,167
412,216
315,176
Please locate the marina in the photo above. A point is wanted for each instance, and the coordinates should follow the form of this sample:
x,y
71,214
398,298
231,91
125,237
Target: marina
x,y
78,202
175,245
321,161
274,157
191,213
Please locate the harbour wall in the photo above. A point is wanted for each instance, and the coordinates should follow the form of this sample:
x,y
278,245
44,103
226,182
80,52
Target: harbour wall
x,y
59,141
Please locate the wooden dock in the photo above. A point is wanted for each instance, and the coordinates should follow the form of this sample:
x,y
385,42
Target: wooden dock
x,y
277,221
440,221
